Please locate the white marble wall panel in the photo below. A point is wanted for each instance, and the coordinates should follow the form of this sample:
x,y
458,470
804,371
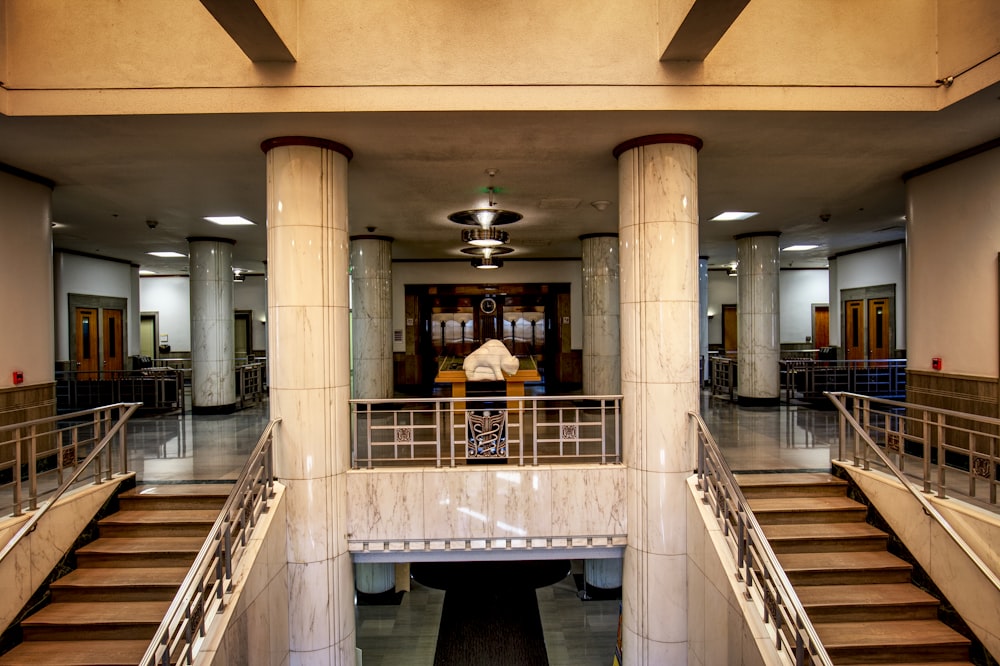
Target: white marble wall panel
x,y
658,229
308,353
486,502
601,313
758,333
213,379
371,277
29,565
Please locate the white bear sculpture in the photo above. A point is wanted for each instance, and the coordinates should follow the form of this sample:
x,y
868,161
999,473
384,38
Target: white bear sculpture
x,y
490,362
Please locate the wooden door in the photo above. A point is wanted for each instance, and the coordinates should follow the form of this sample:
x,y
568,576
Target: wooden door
x,y
854,327
821,326
112,342
878,328
729,329
87,358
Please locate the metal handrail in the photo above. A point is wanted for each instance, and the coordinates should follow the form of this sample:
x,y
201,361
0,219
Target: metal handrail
x,y
928,508
129,409
787,613
209,579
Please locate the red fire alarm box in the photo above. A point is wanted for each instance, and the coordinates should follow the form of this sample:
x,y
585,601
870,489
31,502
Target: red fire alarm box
x,y
18,377
936,363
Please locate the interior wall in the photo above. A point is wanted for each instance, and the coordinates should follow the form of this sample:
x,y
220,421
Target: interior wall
x,y
76,274
878,266
967,33
430,272
170,296
26,340
799,290
953,234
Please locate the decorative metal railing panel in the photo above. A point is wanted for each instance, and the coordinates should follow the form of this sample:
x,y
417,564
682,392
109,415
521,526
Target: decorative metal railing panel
x,y
450,431
42,458
808,379
939,447
204,594
764,581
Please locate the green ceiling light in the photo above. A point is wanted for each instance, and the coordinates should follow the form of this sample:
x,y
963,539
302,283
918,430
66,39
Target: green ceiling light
x,y
488,217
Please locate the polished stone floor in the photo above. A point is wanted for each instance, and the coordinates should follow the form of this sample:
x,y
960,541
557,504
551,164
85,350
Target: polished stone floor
x,y
177,448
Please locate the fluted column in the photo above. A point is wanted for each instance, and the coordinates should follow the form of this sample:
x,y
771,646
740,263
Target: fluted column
x,y
371,316
757,321
213,367
308,339
601,315
658,226
371,355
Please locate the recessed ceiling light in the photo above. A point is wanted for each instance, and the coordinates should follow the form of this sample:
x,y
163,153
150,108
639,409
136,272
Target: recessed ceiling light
x,y
229,220
799,248
732,215
167,255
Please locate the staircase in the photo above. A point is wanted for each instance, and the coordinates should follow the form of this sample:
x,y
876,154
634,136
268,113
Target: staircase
x,y
106,611
858,595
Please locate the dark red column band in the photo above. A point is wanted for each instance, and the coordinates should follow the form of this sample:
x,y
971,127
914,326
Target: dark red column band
x,y
652,139
279,141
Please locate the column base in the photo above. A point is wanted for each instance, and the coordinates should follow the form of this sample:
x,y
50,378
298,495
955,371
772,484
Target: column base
x,y
214,409
747,401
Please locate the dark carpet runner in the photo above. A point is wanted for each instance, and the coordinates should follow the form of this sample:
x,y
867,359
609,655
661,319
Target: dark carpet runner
x,y
490,614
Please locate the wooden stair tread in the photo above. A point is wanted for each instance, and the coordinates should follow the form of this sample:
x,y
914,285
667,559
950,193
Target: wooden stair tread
x,y
751,479
852,560
817,596
154,517
76,653
805,531
805,504
97,613
180,490
123,577
837,635
144,545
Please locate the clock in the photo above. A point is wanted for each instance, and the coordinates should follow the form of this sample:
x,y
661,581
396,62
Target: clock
x,y
488,305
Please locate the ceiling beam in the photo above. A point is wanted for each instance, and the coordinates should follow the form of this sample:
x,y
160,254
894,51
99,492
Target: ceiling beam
x,y
251,29
701,28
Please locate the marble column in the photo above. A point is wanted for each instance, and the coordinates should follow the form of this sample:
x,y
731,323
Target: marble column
x,y
834,304
759,340
371,355
213,367
703,317
601,314
371,316
658,226
308,339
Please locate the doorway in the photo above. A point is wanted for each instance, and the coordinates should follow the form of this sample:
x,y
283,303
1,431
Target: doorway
x,y
730,328
243,336
878,328
821,326
98,342
148,334
854,341
869,323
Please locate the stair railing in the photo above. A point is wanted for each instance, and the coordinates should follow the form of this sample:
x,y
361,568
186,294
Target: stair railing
x,y
204,594
764,581
62,443
861,459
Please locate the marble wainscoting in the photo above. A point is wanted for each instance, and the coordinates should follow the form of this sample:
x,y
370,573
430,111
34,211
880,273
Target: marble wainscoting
x,y
253,629
723,627
960,581
417,512
28,566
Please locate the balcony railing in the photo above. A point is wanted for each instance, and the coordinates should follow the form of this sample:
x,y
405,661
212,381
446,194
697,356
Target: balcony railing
x,y
942,448
445,432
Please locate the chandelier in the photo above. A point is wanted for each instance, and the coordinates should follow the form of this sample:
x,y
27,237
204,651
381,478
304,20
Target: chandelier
x,y
486,239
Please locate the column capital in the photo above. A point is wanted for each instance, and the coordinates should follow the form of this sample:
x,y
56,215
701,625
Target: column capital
x,y
599,235
315,142
753,234
652,139
210,239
